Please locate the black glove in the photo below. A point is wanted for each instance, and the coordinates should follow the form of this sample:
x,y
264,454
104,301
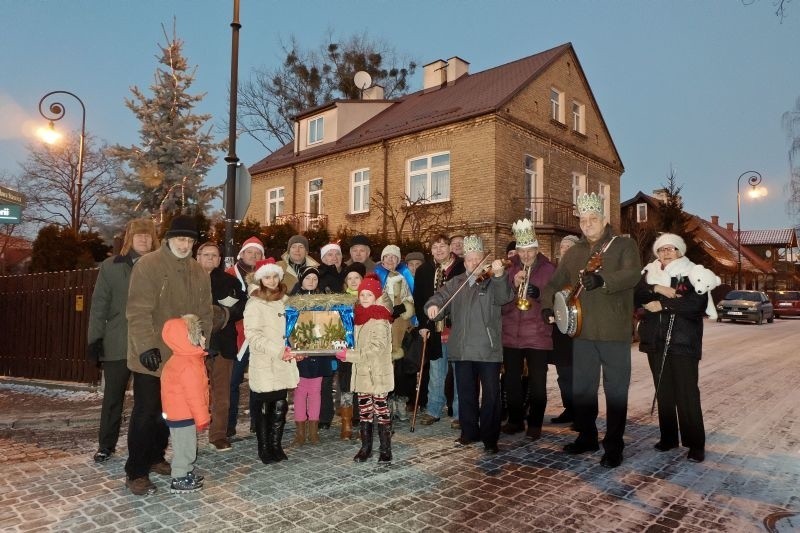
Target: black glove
x,y
533,291
547,314
95,352
592,281
398,310
151,359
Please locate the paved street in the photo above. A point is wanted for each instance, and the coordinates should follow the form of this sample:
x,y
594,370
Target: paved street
x,y
750,381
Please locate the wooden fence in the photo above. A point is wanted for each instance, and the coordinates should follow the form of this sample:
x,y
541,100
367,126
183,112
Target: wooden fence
x,y
44,319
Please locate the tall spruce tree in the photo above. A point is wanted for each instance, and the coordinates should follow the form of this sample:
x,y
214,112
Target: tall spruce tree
x,y
165,172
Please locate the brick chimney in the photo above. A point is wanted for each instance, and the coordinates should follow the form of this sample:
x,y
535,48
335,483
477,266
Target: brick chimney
x,y
729,226
715,220
434,75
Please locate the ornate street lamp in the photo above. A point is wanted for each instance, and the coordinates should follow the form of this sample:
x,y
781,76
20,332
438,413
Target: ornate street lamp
x,y
54,113
754,180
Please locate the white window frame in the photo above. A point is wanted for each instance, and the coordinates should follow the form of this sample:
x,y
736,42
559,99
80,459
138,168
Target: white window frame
x,y
316,130
604,191
578,188
359,189
533,186
275,197
641,212
315,193
428,172
556,105
579,117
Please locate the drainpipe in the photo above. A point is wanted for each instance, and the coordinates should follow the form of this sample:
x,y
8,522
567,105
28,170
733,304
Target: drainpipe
x,y
385,186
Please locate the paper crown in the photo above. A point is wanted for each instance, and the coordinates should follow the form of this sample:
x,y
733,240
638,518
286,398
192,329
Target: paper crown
x,y
473,243
588,203
524,234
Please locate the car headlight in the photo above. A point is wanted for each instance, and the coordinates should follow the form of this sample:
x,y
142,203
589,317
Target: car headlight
x,y
720,307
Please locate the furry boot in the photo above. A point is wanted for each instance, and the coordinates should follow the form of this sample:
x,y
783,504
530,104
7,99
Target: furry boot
x,y
299,433
347,422
313,431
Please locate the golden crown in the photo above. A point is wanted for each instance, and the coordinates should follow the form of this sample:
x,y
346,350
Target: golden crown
x,y
588,203
524,234
473,243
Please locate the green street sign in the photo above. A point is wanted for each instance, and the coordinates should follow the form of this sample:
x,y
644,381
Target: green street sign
x,y
10,214
10,196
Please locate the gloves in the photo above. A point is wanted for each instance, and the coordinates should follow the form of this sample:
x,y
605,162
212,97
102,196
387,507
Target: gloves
x,y
592,281
341,355
95,352
151,359
548,314
398,310
533,291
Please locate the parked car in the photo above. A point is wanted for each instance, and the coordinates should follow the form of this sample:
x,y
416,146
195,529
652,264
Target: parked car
x,y
786,303
752,306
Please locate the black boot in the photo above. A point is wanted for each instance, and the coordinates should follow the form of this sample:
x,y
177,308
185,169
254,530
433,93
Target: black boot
x,y
385,437
263,421
278,422
365,430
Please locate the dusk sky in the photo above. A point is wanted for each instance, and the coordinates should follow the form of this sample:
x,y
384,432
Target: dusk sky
x,y
698,86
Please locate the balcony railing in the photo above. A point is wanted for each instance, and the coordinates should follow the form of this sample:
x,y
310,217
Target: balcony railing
x,y
303,222
551,212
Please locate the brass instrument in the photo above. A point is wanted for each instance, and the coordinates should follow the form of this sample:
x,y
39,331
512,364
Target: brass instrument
x,y
523,304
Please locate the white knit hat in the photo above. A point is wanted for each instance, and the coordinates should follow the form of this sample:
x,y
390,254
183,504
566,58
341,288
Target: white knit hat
x,y
328,247
392,249
670,239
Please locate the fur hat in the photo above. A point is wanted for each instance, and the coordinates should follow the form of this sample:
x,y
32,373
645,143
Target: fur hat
x,y
182,226
391,249
297,239
328,247
363,240
267,266
252,242
415,256
139,226
372,284
355,267
670,239
570,238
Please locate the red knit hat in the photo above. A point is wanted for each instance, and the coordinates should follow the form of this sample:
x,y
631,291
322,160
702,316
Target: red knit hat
x,y
267,266
372,284
252,242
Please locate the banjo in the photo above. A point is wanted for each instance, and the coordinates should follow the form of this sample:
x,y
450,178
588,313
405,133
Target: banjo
x,y
566,302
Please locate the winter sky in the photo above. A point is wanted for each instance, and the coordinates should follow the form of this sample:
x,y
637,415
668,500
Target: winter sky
x,y
696,86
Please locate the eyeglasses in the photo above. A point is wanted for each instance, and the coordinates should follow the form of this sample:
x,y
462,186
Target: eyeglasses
x,y
667,249
212,256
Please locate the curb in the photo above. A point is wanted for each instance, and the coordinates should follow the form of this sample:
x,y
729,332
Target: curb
x,y
49,384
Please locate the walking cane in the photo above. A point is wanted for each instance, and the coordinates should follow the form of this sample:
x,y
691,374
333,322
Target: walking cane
x,y
663,360
419,382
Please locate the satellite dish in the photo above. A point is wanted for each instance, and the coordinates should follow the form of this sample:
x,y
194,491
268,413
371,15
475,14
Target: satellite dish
x,y
362,80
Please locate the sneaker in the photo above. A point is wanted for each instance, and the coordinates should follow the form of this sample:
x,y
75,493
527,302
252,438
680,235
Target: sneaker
x,y
102,455
197,477
141,486
222,445
426,420
455,424
185,485
162,468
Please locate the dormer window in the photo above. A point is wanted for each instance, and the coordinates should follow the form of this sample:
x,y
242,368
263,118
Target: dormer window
x,y
316,127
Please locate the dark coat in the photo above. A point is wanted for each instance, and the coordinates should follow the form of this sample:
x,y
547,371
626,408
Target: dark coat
x,y
423,289
109,299
330,280
526,329
687,328
224,285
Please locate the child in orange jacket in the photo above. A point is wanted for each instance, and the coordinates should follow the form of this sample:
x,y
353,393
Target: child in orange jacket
x,y
184,398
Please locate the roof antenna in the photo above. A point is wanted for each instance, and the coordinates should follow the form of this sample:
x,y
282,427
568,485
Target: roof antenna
x,y
363,81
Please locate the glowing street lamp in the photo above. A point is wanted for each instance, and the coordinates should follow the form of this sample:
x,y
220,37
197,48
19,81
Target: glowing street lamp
x,y
54,113
754,180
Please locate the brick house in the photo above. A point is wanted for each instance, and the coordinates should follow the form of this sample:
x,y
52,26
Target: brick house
x,y
519,140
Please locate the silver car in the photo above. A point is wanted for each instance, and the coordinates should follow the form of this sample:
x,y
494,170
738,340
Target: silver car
x,y
751,306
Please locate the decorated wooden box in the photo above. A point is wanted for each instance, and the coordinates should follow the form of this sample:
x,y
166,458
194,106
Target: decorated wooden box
x,y
319,324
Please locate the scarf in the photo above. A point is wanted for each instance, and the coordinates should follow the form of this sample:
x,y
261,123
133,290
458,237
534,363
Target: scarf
x,y
656,274
375,311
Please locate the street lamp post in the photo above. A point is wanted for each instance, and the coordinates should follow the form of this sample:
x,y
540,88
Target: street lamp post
x,y
53,113
754,179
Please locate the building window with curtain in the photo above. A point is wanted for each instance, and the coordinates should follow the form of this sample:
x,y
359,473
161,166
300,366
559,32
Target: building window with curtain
x,y
429,178
274,204
359,191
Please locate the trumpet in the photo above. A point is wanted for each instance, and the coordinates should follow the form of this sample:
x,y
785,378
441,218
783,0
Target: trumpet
x,y
522,292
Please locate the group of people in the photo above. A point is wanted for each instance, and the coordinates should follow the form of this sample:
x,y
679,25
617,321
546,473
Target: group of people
x,y
187,331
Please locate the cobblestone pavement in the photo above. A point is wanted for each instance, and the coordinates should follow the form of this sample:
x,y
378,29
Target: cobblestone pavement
x,y
751,400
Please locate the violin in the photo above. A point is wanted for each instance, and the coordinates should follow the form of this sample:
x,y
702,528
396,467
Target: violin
x,y
487,272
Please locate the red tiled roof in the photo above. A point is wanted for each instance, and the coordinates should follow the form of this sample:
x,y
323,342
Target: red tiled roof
x,y
469,96
721,245
778,237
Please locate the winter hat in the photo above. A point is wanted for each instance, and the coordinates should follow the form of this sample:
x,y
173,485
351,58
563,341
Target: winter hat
x,y
252,242
267,266
355,267
415,256
363,240
511,246
391,249
670,239
306,272
137,227
328,247
182,226
571,238
372,284
295,239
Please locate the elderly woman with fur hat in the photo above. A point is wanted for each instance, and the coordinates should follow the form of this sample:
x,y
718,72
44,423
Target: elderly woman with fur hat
x,y
671,334
108,328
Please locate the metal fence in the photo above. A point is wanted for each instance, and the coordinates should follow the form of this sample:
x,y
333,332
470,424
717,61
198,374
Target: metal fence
x,y
44,320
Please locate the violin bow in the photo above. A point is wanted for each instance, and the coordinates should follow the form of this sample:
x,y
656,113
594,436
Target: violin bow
x,y
466,280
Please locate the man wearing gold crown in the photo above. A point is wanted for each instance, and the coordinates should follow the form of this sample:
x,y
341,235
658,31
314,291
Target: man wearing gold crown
x,y
606,304
475,343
